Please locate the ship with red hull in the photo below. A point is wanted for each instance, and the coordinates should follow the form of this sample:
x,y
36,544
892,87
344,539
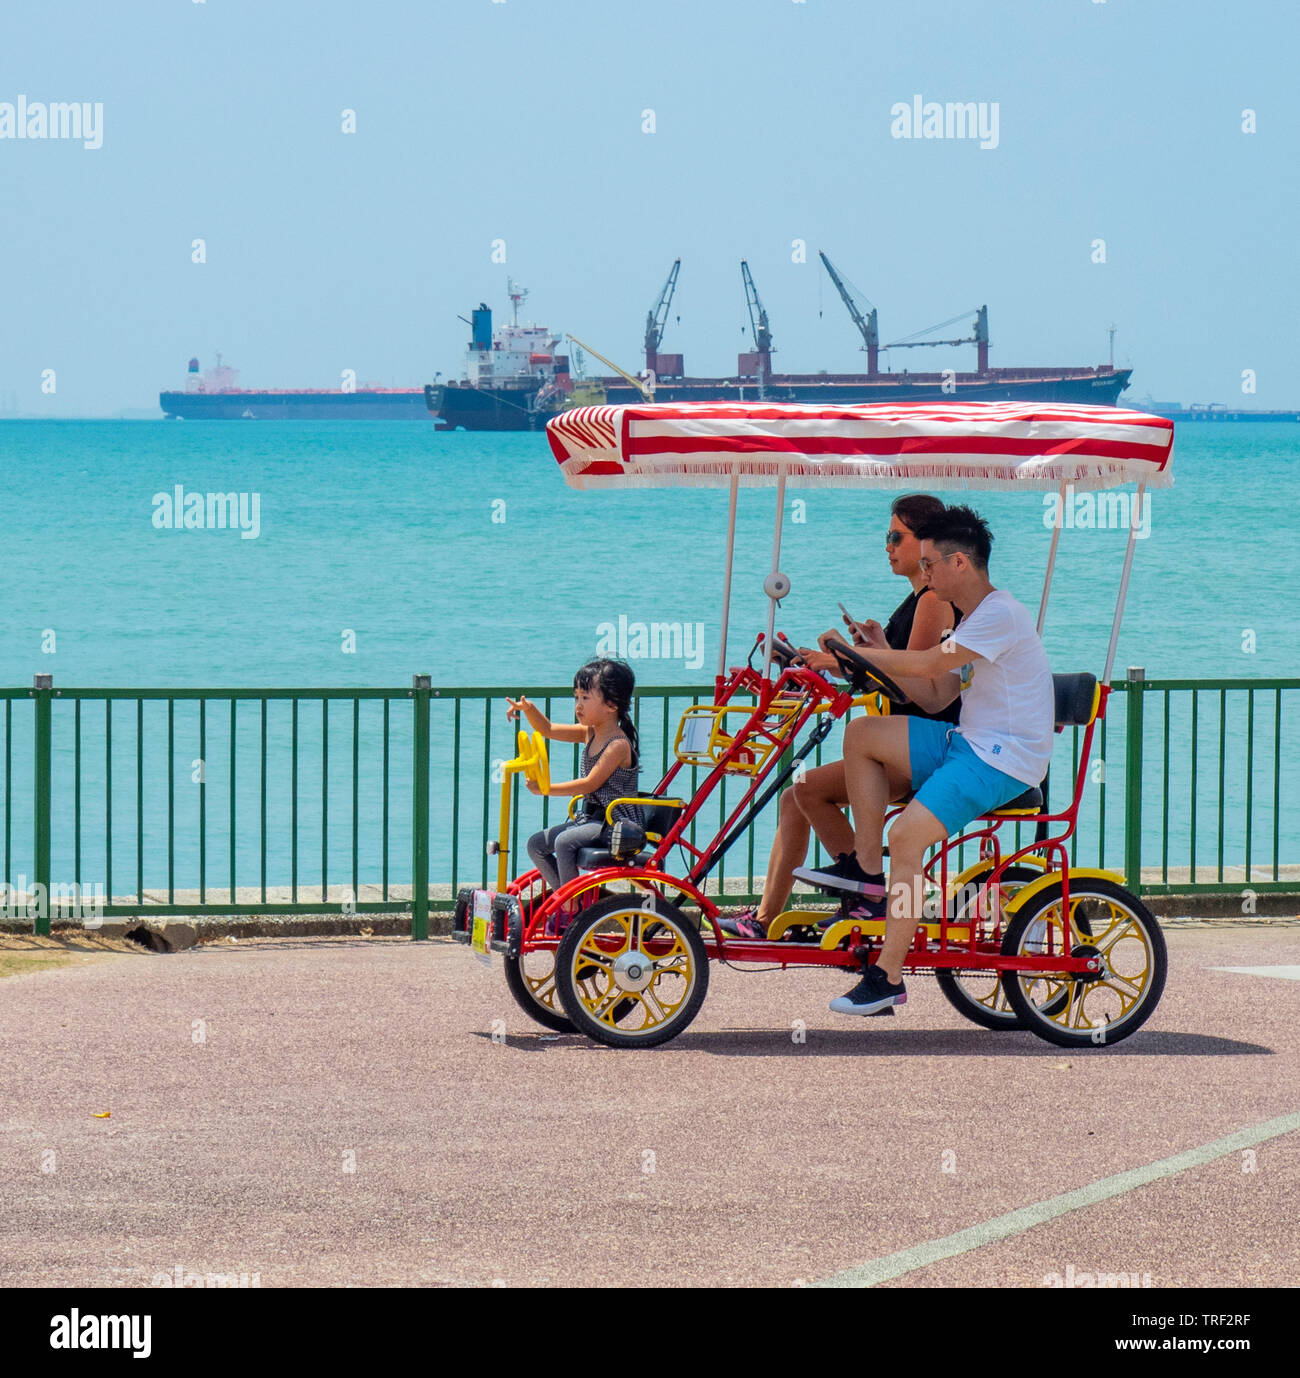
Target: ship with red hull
x,y
215,395
514,380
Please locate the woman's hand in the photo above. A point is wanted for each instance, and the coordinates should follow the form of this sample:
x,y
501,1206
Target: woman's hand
x,y
872,633
821,661
532,786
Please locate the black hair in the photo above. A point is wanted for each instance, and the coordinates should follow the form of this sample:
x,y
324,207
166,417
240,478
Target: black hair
x,y
914,508
959,528
614,681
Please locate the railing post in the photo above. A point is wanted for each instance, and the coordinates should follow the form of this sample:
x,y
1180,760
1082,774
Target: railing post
x,y
43,695
420,812
1133,779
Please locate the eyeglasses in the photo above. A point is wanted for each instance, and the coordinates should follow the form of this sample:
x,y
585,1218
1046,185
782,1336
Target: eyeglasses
x,y
925,565
893,538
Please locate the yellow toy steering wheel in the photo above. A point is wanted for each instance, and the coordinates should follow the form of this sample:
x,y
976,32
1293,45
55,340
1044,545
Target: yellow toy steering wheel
x,y
536,764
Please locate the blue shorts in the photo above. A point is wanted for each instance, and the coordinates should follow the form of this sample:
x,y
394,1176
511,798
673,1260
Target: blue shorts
x,y
950,780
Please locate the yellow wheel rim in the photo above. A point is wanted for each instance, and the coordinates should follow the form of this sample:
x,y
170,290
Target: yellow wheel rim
x,y
538,972
1121,940
985,987
636,970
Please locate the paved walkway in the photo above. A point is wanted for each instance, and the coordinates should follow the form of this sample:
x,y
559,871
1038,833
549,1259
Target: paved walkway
x,y
334,1111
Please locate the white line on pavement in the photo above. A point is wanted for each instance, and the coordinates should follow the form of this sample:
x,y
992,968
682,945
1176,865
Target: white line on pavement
x,y
1287,973
1018,1221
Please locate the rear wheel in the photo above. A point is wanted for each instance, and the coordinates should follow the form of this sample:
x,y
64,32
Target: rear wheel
x,y
978,995
1086,1009
632,972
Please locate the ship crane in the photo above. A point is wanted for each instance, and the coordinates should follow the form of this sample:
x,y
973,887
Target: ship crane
x,y
759,328
657,319
866,325
980,338
643,386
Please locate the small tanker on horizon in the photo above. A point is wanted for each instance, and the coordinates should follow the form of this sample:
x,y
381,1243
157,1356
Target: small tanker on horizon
x,y
215,395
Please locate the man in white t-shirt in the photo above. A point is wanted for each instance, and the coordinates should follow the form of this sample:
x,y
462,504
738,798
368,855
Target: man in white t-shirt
x,y
1000,748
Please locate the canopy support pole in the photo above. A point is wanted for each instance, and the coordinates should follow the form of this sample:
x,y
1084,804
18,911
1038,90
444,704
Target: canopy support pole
x,y
1135,517
726,586
1051,558
776,565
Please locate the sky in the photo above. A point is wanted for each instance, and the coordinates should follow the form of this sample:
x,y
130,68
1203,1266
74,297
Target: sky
x,y
600,141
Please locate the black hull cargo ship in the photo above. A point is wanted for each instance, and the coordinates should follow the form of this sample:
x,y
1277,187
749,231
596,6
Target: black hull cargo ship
x,y
515,381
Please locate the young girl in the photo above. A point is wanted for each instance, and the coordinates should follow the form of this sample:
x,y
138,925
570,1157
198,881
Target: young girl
x,y
602,705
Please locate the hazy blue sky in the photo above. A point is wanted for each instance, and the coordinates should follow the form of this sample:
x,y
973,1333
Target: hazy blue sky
x,y
522,121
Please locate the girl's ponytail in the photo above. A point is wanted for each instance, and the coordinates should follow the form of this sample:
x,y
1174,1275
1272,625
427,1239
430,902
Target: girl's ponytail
x,y
629,731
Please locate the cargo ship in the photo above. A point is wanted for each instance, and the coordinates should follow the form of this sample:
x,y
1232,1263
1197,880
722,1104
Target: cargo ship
x,y
215,395
515,380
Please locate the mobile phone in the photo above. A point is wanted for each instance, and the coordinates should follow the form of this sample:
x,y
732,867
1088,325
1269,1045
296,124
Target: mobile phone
x,y
852,620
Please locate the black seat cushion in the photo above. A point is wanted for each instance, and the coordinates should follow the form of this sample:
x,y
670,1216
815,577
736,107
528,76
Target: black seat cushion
x,y
593,858
1075,695
1032,798
657,818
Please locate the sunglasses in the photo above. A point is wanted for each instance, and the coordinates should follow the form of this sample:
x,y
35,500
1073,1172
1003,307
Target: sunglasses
x,y
893,538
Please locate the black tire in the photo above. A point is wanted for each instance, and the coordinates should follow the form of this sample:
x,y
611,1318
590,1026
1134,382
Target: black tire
x,y
530,977
1075,1011
978,995
534,989
674,987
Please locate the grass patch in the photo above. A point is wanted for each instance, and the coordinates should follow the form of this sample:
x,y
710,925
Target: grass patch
x,y
23,955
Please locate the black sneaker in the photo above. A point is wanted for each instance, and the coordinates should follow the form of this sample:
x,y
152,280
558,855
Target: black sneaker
x,y
871,995
845,877
855,910
746,924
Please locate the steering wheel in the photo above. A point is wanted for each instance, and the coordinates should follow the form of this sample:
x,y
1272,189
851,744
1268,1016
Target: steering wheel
x,y
862,674
537,766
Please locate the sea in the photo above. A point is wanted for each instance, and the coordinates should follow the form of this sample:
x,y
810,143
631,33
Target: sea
x,y
362,554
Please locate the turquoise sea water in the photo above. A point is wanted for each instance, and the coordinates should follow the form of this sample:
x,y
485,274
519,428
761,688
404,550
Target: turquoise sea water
x,y
467,558
386,530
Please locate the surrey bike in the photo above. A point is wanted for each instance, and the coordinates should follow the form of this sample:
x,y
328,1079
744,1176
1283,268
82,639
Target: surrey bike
x,y
1019,939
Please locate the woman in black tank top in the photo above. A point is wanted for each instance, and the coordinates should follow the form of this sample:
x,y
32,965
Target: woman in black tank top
x,y
918,623
921,620
898,635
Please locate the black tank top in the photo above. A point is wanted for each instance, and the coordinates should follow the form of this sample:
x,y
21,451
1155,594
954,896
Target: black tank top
x,y
898,632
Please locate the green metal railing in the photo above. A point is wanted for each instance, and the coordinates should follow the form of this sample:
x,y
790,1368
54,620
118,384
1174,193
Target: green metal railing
x,y
241,801
1208,759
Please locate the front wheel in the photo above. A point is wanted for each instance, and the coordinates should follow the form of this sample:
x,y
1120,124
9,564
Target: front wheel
x,y
1083,1009
530,977
651,971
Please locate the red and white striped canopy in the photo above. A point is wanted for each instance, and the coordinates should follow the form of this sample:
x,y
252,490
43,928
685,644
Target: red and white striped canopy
x,y
875,445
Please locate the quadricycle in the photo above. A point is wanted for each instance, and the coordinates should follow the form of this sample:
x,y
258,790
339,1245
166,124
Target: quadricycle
x,y
1018,939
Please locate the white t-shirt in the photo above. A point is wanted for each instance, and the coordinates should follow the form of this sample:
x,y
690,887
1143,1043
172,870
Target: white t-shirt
x,y
1008,706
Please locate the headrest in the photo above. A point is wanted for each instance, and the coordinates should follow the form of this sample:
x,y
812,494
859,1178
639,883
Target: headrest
x,y
1076,699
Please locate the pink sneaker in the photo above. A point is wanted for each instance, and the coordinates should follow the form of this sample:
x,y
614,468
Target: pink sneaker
x,y
746,924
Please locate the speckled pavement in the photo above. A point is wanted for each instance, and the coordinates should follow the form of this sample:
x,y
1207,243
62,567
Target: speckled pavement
x,y
335,1112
